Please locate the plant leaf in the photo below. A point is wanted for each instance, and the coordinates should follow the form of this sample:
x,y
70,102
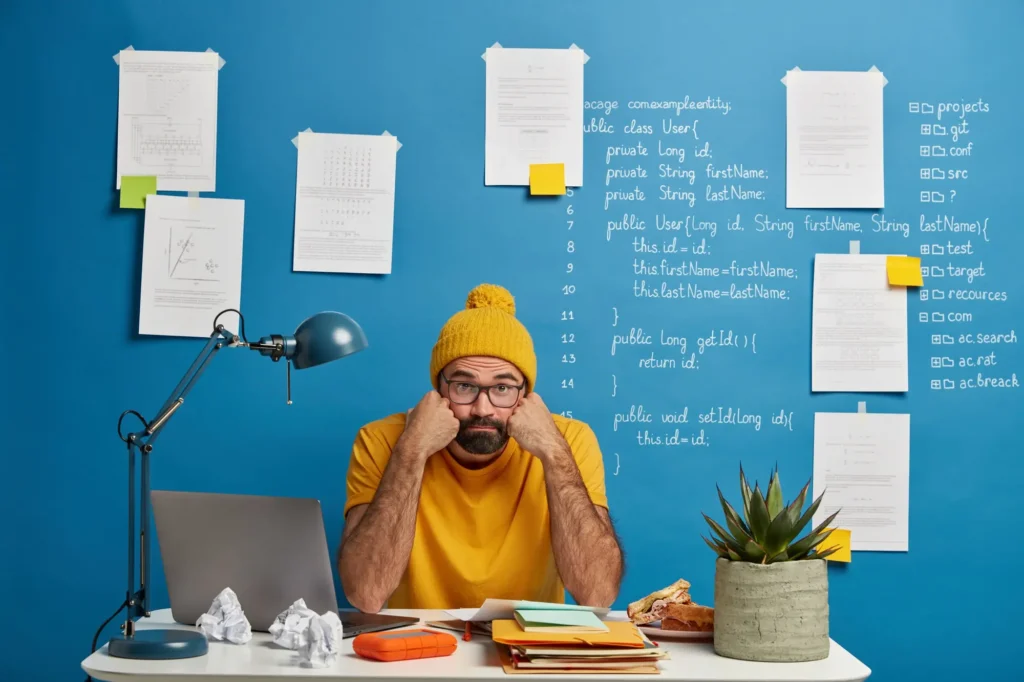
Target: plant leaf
x,y
736,525
780,532
809,514
774,495
734,556
727,539
824,553
758,516
813,538
716,548
745,489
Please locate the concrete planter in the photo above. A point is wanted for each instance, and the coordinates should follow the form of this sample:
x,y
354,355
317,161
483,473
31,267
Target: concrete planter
x,y
771,612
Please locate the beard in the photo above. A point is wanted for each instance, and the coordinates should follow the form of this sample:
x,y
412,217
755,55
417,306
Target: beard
x,y
481,442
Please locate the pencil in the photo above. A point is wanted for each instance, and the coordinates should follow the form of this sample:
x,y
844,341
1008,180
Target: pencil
x,y
469,628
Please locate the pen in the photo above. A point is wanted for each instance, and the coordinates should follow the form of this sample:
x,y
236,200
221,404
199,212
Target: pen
x,y
469,627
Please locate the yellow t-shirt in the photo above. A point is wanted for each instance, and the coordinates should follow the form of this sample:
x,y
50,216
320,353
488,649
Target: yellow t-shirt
x,y
481,533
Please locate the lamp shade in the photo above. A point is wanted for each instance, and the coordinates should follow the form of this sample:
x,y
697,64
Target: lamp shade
x,y
325,337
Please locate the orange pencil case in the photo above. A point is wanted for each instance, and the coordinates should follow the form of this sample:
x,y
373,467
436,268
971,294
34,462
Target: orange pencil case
x,y
404,645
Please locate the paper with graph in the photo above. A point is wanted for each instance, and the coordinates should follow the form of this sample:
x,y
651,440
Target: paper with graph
x,y
344,203
191,265
167,118
862,467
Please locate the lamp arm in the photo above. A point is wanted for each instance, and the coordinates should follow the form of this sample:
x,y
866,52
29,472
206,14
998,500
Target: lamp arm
x,y
138,599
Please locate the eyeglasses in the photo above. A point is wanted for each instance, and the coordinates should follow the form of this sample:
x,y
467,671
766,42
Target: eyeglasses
x,y
466,393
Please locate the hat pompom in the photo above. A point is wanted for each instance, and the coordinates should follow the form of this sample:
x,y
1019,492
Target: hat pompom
x,y
491,296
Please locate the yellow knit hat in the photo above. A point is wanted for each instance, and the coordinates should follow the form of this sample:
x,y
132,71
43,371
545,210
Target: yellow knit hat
x,y
488,326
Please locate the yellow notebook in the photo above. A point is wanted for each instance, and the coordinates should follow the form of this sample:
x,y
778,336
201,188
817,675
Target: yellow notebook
x,y
620,633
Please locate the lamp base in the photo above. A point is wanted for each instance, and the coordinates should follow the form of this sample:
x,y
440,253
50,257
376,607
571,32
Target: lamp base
x,y
159,644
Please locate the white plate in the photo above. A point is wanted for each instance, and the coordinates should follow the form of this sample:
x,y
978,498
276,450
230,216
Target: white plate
x,y
658,633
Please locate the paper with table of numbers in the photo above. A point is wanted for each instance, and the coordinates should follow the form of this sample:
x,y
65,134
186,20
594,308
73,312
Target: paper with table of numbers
x,y
862,466
834,150
344,203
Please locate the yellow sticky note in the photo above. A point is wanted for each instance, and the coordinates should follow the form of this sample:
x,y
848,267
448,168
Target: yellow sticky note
x,y
134,189
841,538
904,271
547,178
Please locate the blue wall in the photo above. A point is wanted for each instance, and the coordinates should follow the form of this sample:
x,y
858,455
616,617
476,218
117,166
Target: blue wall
x,y
71,267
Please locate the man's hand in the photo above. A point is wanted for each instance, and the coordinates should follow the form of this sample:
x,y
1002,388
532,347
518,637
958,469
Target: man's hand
x,y
533,428
429,427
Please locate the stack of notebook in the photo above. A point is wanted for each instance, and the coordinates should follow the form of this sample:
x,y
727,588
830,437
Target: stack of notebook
x,y
565,641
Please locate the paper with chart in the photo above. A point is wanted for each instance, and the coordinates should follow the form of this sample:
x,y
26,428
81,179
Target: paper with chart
x,y
191,265
167,118
834,145
862,465
534,113
858,326
344,203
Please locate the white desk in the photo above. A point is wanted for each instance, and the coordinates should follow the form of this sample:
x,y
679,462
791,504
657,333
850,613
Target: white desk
x,y
260,660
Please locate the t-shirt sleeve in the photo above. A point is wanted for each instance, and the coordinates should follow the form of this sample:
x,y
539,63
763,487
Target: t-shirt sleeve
x,y
365,469
583,442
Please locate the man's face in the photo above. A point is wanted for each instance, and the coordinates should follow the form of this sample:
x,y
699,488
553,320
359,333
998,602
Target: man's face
x,y
483,414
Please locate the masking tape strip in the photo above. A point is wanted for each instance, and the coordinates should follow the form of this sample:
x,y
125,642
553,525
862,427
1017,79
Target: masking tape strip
x,y
495,46
387,134
854,247
873,69
193,200
586,57
117,57
295,140
220,60
862,407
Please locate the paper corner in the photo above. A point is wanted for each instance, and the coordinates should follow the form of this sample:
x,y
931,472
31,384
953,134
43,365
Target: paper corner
x,y
117,57
295,140
495,46
220,60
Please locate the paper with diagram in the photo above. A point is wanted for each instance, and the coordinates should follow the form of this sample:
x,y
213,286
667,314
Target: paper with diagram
x,y
858,326
344,203
534,113
191,265
167,118
834,150
862,466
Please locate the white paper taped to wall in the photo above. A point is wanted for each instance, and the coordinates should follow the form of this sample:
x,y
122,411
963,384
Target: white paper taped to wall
x,y
220,60
854,246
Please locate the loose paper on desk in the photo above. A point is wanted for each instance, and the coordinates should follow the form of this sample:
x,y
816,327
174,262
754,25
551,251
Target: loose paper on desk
x,y
191,265
862,465
834,148
534,113
167,118
858,327
344,203
498,609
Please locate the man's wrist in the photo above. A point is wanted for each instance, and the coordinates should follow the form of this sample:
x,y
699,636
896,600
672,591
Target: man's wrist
x,y
557,452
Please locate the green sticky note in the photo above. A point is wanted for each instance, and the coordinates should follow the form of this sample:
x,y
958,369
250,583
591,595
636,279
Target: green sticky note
x,y
134,189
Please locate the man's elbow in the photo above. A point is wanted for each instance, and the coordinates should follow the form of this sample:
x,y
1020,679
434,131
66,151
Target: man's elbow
x,y
367,603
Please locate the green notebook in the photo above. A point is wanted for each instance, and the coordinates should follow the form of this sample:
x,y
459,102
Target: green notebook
x,y
558,620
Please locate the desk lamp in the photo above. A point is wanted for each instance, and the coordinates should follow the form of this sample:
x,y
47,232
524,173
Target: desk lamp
x,y
322,338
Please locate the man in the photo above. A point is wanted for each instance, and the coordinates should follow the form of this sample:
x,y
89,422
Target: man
x,y
479,491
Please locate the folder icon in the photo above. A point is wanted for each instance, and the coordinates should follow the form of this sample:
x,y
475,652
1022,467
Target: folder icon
x,y
938,151
947,339
938,197
927,108
938,130
938,249
938,294
948,384
947,362
937,271
938,174
938,317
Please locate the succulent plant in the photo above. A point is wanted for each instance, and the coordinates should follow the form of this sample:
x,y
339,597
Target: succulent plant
x,y
766,532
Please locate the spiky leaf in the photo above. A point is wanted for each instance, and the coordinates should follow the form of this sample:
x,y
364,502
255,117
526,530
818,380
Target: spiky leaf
x,y
824,553
758,516
813,538
780,531
724,536
718,549
774,495
736,525
807,515
745,489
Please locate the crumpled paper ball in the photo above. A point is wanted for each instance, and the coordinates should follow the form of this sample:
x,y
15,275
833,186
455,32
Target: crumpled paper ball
x,y
225,620
289,628
322,644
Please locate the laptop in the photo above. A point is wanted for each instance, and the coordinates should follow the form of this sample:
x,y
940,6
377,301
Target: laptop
x,y
270,551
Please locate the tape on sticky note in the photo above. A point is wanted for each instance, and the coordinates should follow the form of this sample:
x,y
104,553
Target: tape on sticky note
x,y
838,537
134,189
547,179
904,271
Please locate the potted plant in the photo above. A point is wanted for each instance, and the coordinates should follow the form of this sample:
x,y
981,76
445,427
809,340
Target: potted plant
x,y
771,590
